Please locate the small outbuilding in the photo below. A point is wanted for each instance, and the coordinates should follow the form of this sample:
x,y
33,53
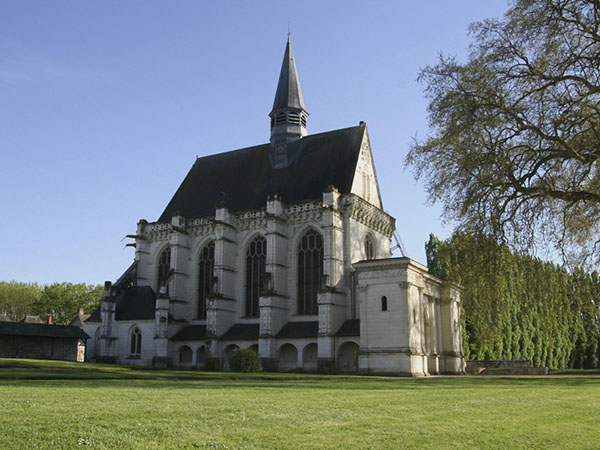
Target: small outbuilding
x,y
42,341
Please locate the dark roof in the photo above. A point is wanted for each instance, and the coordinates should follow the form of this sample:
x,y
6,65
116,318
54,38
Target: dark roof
x,y
242,332
244,178
289,94
191,333
79,321
136,303
131,270
349,328
299,330
95,316
41,330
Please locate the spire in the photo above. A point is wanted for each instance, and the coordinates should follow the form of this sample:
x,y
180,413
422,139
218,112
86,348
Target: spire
x,y
288,116
289,94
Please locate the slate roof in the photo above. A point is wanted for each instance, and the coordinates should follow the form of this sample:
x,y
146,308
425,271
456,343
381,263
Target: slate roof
x,y
299,330
349,328
95,316
242,332
244,178
79,321
41,330
134,303
191,333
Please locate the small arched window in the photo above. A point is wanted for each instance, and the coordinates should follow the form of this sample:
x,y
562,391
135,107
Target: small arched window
x,y
256,260
384,305
164,267
310,271
135,348
369,248
206,265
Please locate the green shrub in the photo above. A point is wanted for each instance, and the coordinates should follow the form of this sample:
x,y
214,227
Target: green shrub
x,y
244,360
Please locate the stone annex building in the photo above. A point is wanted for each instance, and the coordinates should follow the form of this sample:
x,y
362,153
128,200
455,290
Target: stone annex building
x,y
283,248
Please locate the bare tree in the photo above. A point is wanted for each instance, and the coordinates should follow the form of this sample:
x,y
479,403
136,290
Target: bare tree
x,y
514,140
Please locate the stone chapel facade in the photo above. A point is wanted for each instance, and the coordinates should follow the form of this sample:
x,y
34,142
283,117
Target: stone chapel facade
x,y
283,248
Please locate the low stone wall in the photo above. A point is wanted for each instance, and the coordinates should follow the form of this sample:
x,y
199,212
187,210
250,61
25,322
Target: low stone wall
x,y
504,367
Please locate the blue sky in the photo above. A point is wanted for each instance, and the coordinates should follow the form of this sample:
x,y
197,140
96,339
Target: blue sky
x,y
105,105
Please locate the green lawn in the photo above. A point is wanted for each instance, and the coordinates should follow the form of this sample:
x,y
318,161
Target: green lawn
x,y
58,405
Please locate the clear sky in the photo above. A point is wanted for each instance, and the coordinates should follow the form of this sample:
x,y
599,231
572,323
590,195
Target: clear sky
x,y
105,105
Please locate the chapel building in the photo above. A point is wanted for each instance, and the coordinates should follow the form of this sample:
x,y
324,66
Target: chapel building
x,y
283,248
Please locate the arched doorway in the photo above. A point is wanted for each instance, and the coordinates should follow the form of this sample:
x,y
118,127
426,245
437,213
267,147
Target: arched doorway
x,y
288,358
185,356
309,358
230,348
348,358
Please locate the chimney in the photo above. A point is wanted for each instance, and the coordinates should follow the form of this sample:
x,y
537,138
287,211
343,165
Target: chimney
x,y
49,320
80,312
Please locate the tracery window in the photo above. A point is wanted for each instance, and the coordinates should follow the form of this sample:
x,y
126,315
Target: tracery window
x,y
135,348
256,259
310,271
369,248
164,266
206,265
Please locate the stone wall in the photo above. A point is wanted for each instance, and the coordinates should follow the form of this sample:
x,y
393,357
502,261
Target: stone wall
x,y
66,349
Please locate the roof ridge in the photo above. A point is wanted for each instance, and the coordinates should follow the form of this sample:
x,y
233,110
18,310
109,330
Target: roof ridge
x,y
226,152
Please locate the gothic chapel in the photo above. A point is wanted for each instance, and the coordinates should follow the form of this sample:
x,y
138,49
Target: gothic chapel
x,y
283,248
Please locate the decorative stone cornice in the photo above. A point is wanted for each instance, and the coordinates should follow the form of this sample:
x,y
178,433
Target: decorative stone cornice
x,y
304,212
158,231
367,214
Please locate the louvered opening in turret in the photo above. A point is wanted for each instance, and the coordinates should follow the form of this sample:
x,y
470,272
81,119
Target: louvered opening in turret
x,y
280,118
294,118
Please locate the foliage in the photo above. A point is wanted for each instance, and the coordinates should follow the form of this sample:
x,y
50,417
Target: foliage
x,y
16,299
59,300
185,409
244,360
518,307
514,145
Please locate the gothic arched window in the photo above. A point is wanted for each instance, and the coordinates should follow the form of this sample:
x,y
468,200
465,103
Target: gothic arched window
x,y
164,266
256,260
206,265
369,248
310,271
135,348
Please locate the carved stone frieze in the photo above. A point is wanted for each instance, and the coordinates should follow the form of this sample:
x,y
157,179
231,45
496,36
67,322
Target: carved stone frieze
x,y
378,273
367,214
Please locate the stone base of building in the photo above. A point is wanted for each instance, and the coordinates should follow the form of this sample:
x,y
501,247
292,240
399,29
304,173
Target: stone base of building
x,y
162,362
396,363
107,359
325,365
270,364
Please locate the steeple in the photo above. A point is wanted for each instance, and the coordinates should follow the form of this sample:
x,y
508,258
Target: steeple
x,y
288,116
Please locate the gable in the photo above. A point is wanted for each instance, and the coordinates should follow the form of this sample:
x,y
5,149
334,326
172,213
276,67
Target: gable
x,y
365,183
243,179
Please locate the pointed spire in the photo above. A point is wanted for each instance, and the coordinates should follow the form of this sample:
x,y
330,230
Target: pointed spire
x,y
288,116
289,94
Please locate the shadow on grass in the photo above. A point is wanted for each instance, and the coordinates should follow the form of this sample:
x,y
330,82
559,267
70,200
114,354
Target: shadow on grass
x,y
14,371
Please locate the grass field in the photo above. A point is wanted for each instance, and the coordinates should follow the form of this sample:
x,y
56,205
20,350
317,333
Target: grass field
x,y
58,405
